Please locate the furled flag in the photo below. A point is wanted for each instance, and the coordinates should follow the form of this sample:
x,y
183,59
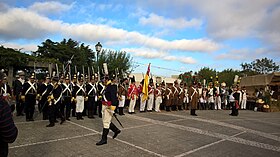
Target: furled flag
x,y
145,90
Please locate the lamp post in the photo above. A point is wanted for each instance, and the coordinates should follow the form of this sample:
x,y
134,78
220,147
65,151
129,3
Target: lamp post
x,y
98,48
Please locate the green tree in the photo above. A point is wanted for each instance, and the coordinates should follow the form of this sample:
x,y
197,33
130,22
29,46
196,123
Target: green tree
x,y
64,50
227,76
11,57
84,56
119,60
260,66
206,73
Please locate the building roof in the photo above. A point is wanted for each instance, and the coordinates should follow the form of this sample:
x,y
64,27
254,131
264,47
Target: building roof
x,y
261,80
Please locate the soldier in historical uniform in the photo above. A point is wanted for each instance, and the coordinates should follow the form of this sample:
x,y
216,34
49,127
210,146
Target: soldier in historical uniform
x,y
92,96
43,92
122,93
234,101
200,99
243,98
210,96
132,94
79,94
151,96
5,88
217,95
66,97
100,89
186,97
29,93
109,103
73,104
54,101
158,97
168,97
203,98
163,89
141,94
85,111
224,95
175,92
17,90
193,95
181,96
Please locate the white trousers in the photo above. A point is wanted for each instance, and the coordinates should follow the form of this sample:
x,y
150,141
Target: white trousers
x,y
157,103
142,103
107,114
80,103
121,102
218,103
132,104
243,104
150,102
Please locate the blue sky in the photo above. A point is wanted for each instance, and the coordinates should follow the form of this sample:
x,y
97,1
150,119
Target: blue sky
x,y
182,35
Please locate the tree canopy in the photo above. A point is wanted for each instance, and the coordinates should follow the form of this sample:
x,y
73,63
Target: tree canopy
x,y
84,56
260,66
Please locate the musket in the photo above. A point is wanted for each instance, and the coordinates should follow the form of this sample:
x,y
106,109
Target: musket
x,y
68,64
57,73
92,70
84,74
35,69
70,72
63,72
88,70
75,69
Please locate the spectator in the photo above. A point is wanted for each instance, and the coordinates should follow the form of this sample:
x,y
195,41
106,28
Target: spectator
x,y
8,130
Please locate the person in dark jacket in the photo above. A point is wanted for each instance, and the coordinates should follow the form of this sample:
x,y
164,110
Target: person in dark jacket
x,y
17,89
8,130
109,103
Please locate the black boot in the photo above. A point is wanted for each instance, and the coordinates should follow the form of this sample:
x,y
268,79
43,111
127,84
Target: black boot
x,y
114,129
81,116
50,125
191,111
104,137
78,116
121,111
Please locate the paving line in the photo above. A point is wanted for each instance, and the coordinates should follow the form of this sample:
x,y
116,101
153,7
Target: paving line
x,y
266,135
50,141
36,121
205,146
130,144
211,134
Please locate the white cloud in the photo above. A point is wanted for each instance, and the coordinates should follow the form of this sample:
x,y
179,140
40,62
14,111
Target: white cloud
x,y
20,23
229,19
21,47
162,22
144,52
152,53
185,60
243,54
50,7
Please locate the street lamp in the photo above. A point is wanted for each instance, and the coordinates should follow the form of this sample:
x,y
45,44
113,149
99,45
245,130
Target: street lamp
x,y
98,48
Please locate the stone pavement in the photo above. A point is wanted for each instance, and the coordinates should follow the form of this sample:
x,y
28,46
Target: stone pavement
x,y
212,133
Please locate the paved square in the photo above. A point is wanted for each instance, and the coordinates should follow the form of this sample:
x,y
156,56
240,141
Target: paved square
x,y
212,133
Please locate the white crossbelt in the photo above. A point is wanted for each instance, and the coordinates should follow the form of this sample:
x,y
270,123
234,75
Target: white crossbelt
x,y
31,87
66,88
45,90
4,89
193,92
176,90
92,88
80,88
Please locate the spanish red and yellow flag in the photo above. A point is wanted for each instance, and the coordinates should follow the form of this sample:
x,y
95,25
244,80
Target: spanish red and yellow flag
x,y
145,89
